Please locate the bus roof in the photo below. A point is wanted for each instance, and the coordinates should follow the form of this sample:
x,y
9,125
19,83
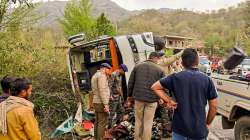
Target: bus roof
x,y
90,44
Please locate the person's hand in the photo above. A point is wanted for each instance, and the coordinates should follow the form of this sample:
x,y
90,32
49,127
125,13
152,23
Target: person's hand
x,y
171,104
106,108
129,102
208,126
161,102
125,117
111,98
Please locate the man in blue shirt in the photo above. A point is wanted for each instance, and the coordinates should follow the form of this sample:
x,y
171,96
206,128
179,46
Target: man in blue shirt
x,y
191,91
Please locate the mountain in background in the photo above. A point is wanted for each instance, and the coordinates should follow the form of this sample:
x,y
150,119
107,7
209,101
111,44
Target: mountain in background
x,y
219,29
54,10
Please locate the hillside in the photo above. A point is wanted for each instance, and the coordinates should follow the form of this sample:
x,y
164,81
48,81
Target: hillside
x,y
54,10
183,22
219,29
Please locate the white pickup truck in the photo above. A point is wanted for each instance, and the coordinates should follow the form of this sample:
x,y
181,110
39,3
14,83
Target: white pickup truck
x,y
234,105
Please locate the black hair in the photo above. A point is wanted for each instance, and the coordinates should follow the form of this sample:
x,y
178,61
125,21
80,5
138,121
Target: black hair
x,y
159,42
6,83
189,57
154,55
18,85
176,51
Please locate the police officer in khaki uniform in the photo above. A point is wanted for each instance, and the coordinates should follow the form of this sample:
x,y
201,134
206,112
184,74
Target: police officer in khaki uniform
x,y
101,92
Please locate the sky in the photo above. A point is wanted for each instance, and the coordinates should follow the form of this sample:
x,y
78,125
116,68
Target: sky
x,y
197,5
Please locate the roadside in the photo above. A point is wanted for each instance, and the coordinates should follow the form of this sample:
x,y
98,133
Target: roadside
x,y
219,133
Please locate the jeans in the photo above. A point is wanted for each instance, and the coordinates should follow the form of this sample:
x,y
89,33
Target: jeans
x,y
176,136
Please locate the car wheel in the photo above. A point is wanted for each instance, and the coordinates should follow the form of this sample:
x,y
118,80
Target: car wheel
x,y
242,128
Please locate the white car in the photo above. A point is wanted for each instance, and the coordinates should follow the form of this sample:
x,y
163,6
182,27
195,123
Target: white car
x,y
204,65
244,68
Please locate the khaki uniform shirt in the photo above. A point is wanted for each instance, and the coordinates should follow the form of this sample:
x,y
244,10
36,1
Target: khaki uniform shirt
x,y
166,62
100,88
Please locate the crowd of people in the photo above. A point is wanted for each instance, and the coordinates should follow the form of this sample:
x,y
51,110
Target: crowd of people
x,y
171,84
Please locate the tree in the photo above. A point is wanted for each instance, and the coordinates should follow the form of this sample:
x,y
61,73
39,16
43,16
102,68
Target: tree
x,y
104,26
247,18
247,27
6,18
77,18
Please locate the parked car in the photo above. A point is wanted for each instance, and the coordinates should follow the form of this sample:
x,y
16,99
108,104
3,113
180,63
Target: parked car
x,y
244,68
248,77
204,65
215,64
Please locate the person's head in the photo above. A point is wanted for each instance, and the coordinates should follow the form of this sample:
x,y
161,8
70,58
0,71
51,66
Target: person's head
x,y
122,69
106,68
155,56
6,84
190,58
21,87
159,43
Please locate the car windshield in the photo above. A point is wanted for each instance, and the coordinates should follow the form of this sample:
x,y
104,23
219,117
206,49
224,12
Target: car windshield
x,y
203,61
246,62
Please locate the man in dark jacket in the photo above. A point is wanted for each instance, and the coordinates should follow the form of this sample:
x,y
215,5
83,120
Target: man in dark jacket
x,y
139,88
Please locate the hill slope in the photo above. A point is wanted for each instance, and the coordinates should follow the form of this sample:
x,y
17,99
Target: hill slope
x,y
54,10
219,29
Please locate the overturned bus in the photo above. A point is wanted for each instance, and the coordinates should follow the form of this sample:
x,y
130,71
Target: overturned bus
x,y
86,57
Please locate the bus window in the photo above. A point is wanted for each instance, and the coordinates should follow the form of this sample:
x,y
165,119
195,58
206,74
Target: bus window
x,y
100,53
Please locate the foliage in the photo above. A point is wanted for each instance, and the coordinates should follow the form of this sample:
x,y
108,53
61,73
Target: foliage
x,y
247,18
246,38
104,26
29,51
32,54
77,18
23,8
